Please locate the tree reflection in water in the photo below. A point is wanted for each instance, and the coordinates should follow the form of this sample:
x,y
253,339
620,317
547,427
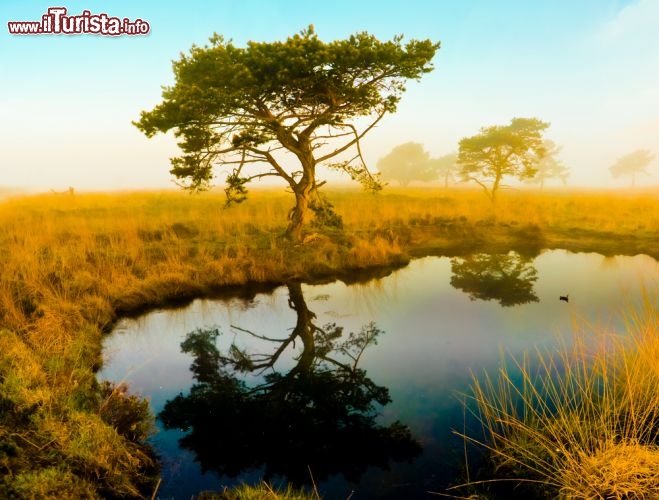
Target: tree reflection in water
x,y
319,416
506,278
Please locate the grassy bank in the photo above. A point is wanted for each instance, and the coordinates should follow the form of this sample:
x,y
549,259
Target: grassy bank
x,y
73,264
426,221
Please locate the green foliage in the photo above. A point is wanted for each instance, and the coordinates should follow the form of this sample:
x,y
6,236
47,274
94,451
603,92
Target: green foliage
x,y
502,150
370,182
324,215
632,164
248,108
236,191
128,414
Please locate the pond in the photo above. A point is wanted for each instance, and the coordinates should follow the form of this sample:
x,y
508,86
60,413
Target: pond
x,y
358,386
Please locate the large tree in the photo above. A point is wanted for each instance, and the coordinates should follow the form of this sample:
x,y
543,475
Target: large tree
x,y
283,109
502,150
632,164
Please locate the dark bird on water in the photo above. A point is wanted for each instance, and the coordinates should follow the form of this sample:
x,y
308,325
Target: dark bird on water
x,y
566,298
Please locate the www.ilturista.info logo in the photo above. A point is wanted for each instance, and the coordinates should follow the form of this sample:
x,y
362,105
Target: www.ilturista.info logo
x,y
56,22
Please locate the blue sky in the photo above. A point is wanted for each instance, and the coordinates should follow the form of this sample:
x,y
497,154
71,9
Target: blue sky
x,y
589,67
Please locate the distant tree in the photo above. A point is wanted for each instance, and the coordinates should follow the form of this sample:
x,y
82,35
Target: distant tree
x,y
445,167
632,164
253,109
502,150
406,163
549,166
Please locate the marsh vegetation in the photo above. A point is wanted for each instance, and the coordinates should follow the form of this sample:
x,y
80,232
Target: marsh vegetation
x,y
74,264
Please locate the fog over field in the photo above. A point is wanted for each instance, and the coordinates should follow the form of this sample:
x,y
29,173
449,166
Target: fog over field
x,y
589,68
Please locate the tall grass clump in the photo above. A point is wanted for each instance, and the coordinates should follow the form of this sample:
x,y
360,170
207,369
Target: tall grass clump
x,y
580,422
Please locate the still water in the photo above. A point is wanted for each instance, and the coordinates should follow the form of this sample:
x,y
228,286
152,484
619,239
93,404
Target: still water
x,y
358,385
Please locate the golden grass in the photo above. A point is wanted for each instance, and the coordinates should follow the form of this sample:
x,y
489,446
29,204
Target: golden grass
x,y
611,210
261,491
73,264
616,470
581,422
434,221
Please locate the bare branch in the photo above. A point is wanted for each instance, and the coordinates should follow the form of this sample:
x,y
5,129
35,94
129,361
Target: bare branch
x,y
359,152
333,361
481,184
352,142
256,335
278,168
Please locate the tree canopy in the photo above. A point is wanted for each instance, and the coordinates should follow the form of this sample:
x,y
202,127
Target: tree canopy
x,y
282,109
507,278
406,163
502,150
410,162
632,164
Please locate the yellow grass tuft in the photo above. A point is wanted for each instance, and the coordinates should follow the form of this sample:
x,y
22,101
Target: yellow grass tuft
x,y
613,471
261,491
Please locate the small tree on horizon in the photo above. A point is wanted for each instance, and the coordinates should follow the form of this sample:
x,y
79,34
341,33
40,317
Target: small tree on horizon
x,y
406,163
446,168
632,164
502,150
254,109
549,166
410,162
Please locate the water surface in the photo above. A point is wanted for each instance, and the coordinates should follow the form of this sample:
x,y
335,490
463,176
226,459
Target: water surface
x,y
275,387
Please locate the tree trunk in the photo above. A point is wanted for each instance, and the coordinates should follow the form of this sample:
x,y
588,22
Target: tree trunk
x,y
303,190
299,215
303,329
495,188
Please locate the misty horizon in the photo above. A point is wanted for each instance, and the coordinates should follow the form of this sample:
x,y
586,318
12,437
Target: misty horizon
x,y
587,69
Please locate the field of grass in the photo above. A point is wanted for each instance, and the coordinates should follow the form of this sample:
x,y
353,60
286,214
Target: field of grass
x,y
608,222
73,264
